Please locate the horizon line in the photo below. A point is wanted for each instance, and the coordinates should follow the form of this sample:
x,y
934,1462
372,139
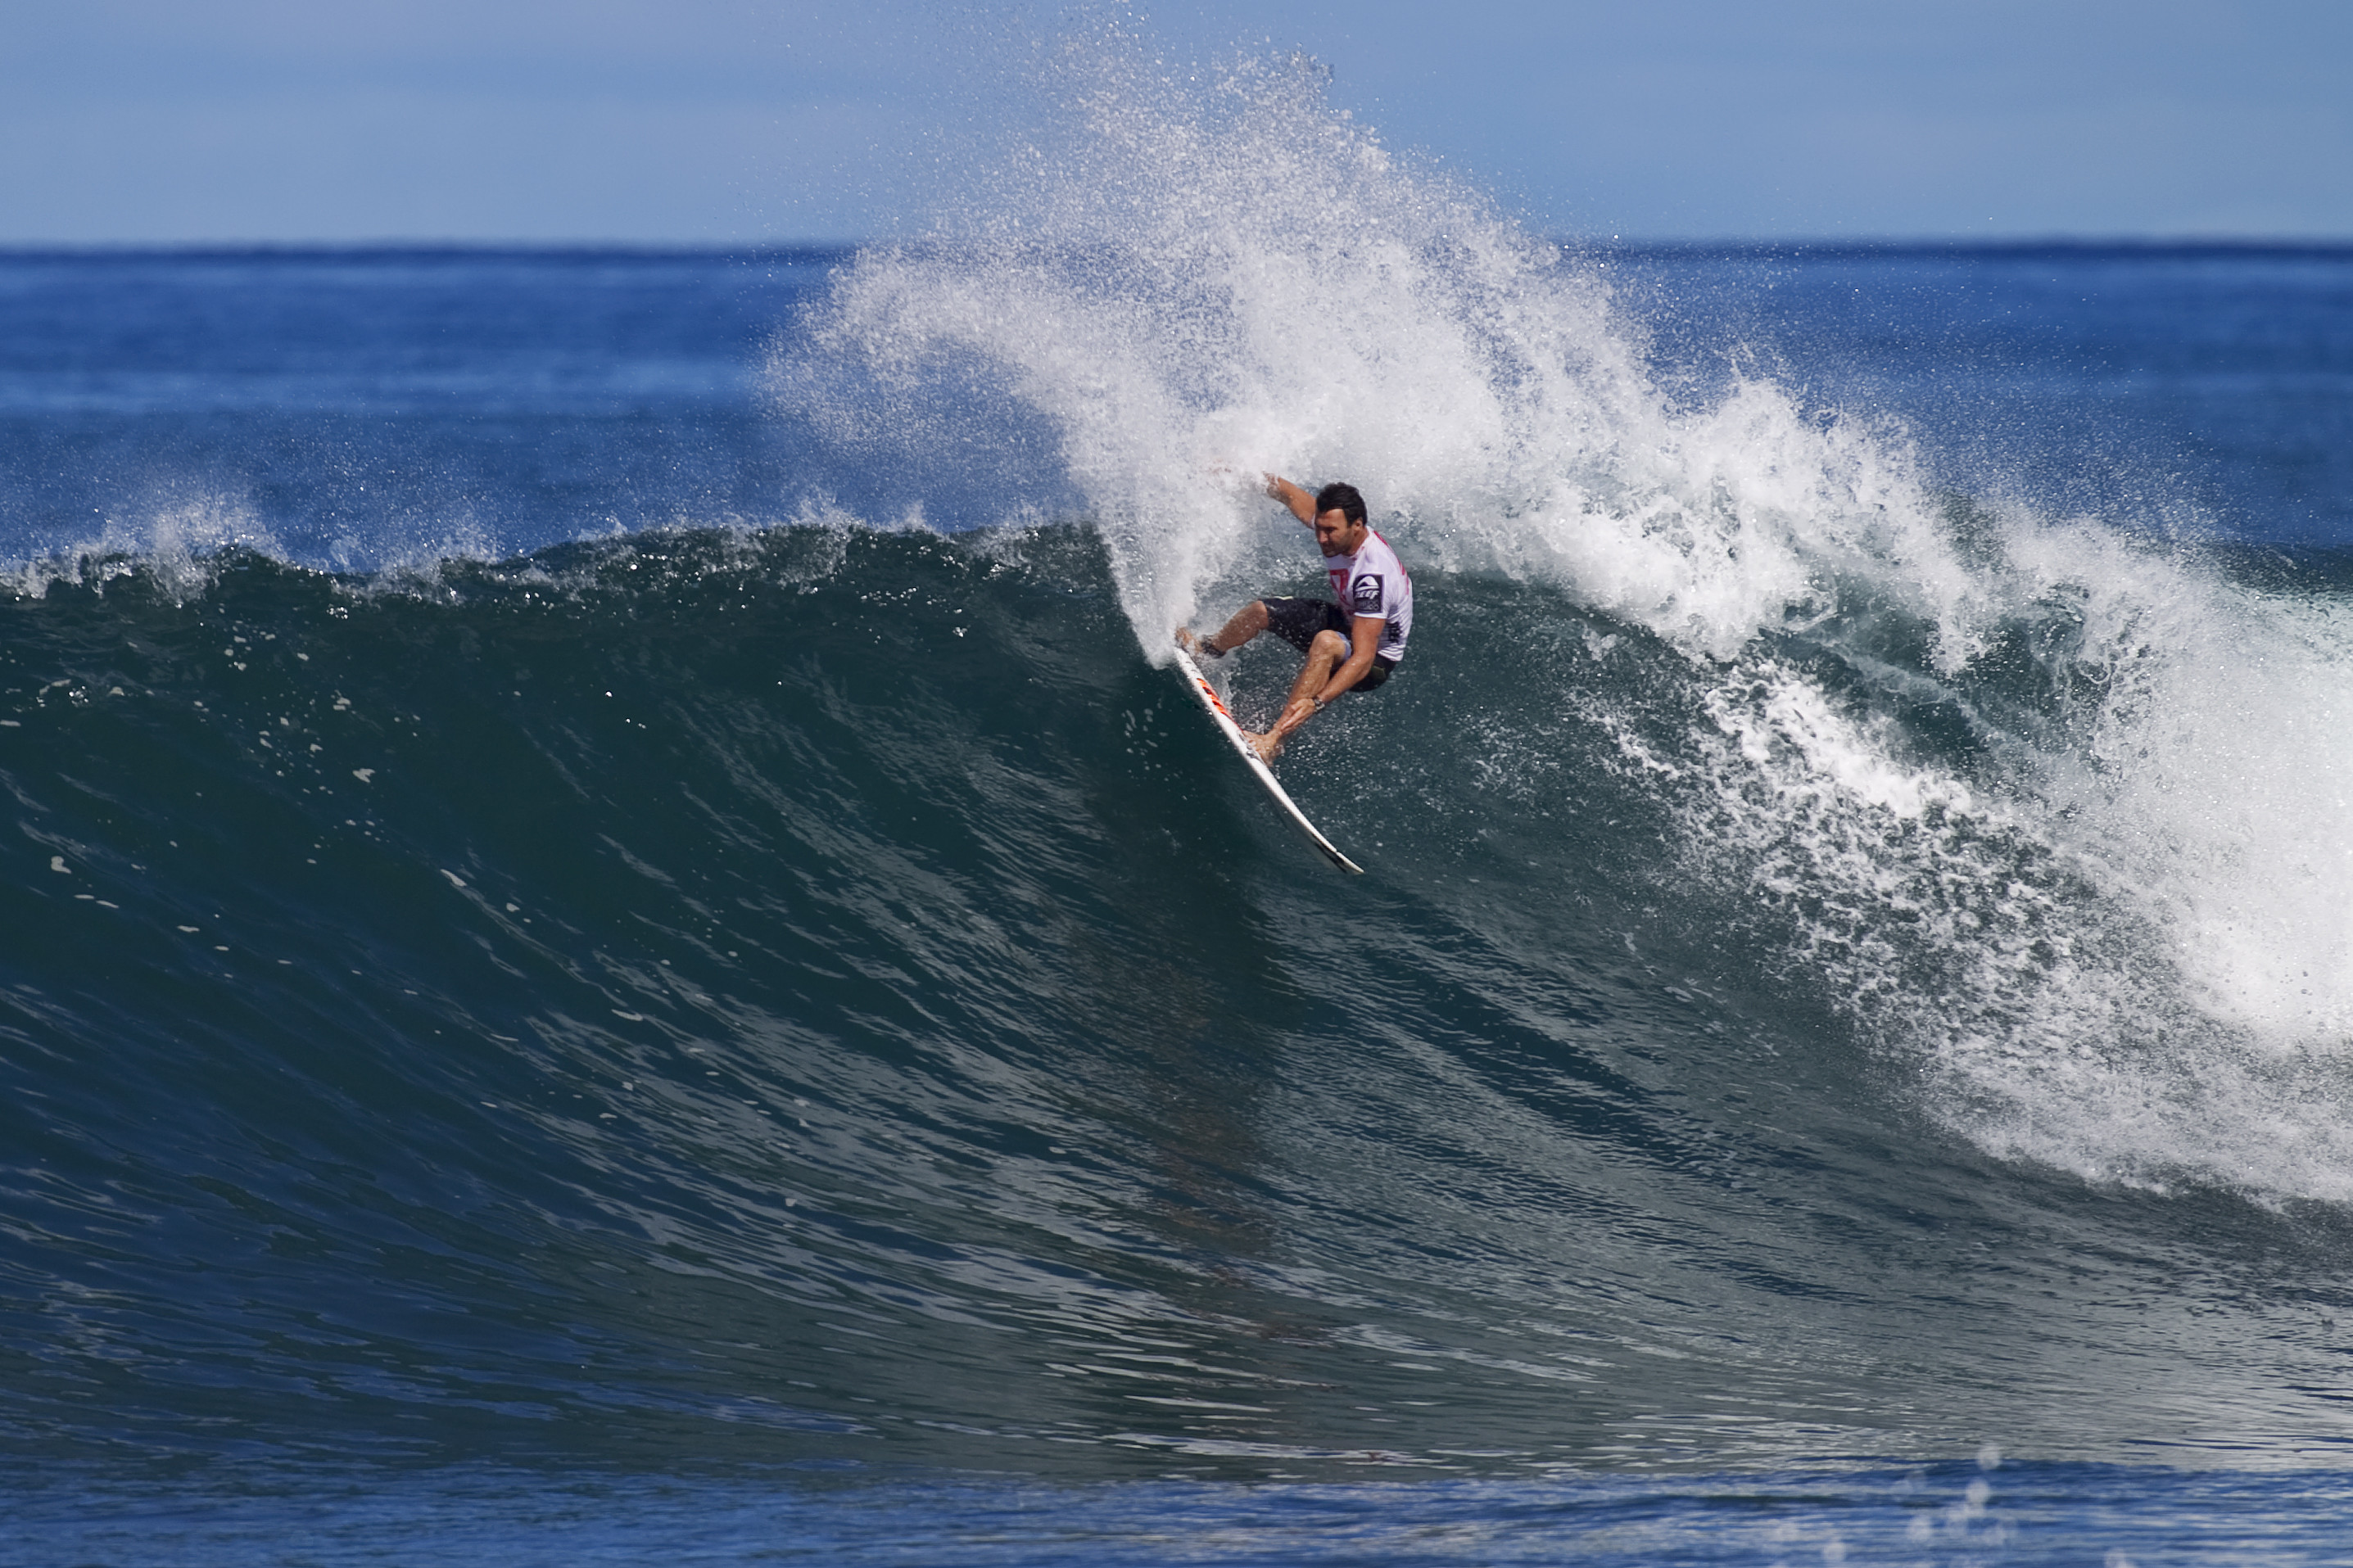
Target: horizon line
x,y
813,249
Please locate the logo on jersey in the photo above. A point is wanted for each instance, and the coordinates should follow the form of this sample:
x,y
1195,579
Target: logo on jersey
x,y
1368,589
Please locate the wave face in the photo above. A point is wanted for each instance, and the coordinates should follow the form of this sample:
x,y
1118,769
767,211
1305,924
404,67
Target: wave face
x,y
714,943
822,992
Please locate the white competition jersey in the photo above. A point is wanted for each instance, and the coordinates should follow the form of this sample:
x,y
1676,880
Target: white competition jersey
x,y
1373,582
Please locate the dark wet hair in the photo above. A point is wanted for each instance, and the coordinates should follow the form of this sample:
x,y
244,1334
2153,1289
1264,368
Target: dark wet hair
x,y
1342,496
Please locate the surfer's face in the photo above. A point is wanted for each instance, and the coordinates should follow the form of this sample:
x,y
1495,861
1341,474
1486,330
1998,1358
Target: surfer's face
x,y
1336,535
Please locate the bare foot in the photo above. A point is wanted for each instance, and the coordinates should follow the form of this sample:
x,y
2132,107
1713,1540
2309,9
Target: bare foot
x,y
1267,747
1193,645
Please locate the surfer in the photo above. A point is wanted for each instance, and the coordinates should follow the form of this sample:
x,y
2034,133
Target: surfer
x,y
1352,644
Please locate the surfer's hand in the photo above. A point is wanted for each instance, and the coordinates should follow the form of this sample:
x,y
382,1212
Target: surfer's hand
x,y
1267,747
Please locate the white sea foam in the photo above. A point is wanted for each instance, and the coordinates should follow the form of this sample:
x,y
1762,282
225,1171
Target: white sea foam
x,y
2121,945
2130,958
1194,279
181,544
178,546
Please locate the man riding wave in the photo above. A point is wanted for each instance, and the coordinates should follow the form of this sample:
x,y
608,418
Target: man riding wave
x,y
1351,645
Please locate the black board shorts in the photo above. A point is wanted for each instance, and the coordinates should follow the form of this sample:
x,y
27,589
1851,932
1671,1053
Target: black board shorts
x,y
1296,622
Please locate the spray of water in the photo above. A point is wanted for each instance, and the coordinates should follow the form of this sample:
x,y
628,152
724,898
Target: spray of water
x,y
179,546
2119,944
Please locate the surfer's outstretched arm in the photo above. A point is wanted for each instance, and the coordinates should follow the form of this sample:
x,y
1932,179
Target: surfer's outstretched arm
x,y
1302,504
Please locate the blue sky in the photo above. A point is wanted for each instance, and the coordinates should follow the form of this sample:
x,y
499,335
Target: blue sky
x,y
733,122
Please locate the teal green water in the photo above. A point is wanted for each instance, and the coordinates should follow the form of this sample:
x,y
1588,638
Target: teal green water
x,y
712,999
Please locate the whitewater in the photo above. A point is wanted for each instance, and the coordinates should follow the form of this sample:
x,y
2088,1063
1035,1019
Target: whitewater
x,y
1200,286
619,934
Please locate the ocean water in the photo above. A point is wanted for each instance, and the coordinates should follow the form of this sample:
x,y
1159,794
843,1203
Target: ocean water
x,y
619,944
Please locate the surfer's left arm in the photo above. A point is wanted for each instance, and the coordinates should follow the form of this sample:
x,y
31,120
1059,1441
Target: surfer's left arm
x,y
1365,639
1302,504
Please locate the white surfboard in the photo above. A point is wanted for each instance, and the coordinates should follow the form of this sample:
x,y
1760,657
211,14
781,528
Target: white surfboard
x,y
1234,734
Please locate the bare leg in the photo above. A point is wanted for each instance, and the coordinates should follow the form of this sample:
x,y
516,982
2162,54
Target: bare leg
x,y
1247,622
1325,655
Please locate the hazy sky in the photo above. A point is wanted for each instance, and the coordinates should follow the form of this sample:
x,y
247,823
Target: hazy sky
x,y
735,120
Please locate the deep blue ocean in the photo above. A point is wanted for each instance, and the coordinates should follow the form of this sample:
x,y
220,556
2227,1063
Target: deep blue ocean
x,y
619,945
